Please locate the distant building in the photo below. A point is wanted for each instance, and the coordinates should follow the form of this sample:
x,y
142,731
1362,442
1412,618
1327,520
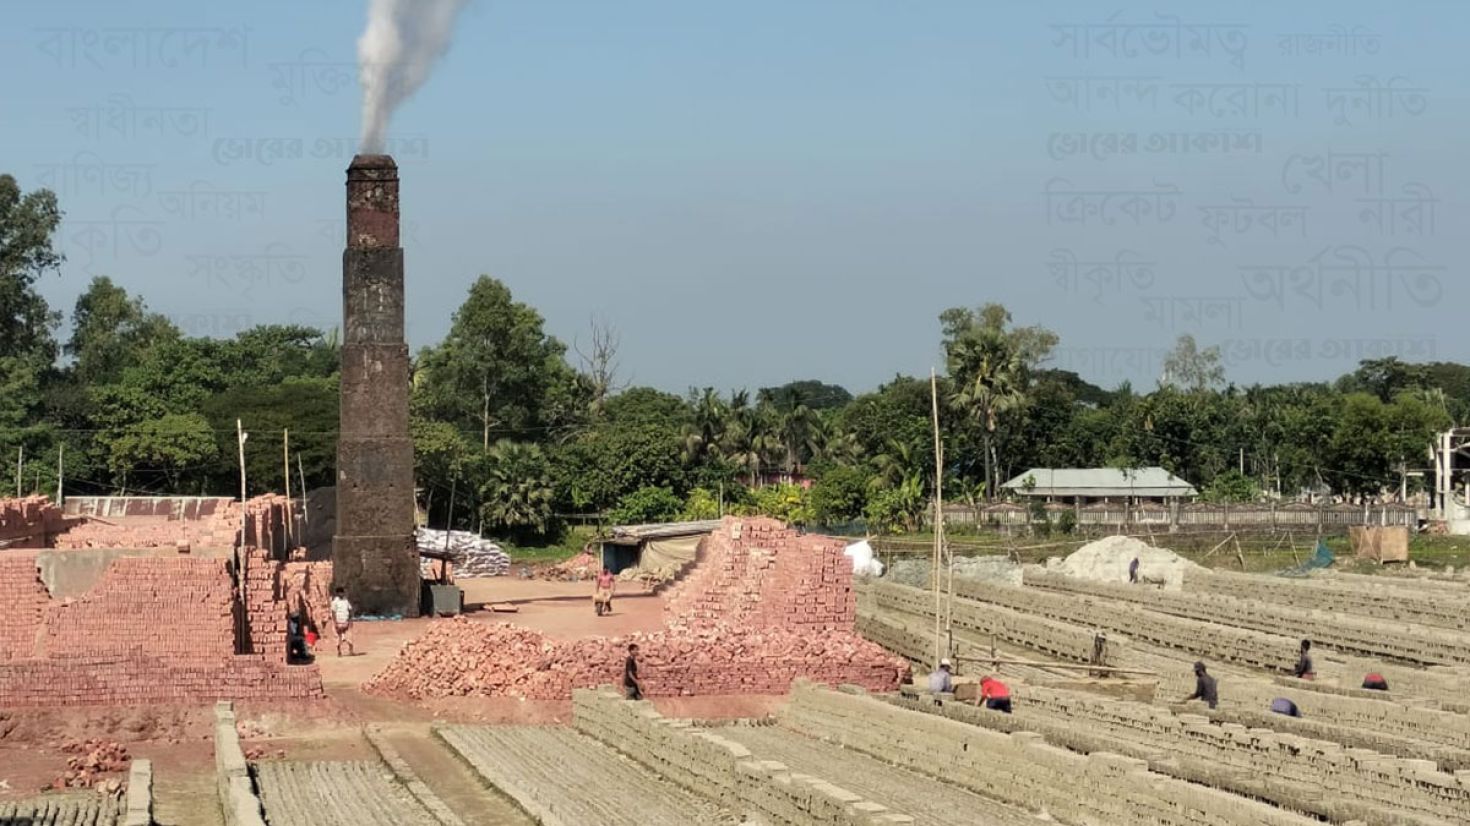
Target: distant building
x,y
654,547
1084,486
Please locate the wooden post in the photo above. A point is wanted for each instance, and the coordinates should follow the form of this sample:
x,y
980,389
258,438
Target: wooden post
x,y
20,460
938,512
60,456
286,466
449,518
301,475
240,437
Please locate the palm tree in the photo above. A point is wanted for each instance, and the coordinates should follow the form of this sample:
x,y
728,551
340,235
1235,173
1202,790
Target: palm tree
x,y
517,493
990,375
799,431
702,435
750,438
898,461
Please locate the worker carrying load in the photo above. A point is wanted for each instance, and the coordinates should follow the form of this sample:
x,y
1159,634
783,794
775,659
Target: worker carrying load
x,y
996,695
1281,705
941,681
1204,687
603,593
1375,682
1303,667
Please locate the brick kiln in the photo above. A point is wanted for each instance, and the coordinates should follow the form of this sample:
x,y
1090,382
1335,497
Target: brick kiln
x,y
763,606
374,553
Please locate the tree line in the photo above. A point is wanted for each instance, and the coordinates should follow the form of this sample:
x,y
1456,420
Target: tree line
x,y
514,430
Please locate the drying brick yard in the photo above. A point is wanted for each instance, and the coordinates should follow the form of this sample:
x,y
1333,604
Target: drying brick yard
x,y
784,689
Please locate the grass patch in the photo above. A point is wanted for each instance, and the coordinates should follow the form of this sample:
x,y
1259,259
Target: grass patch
x,y
565,547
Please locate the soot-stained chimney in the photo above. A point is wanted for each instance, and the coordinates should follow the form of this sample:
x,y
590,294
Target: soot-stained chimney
x,y
373,553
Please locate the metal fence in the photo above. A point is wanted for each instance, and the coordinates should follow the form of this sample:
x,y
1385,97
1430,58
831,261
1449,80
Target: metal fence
x,y
1190,517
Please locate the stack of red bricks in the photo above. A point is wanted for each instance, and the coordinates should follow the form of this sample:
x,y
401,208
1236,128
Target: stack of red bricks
x,y
170,607
759,573
763,607
268,588
25,522
265,526
23,601
153,630
462,657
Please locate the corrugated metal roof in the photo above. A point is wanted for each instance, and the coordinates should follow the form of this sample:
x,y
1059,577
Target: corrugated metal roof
x,y
630,534
1146,481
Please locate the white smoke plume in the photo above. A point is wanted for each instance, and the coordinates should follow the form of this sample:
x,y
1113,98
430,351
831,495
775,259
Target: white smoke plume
x,y
395,54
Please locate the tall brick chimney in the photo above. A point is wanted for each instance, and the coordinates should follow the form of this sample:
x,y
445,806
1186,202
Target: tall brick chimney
x,y
373,554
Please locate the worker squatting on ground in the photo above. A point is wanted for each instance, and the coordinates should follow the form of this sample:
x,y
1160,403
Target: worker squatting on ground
x,y
297,621
1204,687
342,620
602,593
631,686
941,681
1303,667
1281,705
995,694
1375,682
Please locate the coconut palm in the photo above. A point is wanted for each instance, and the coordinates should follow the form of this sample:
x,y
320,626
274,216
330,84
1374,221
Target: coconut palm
x,y
990,378
702,435
750,438
799,431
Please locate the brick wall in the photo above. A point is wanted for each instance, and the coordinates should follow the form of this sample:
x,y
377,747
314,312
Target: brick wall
x,y
153,630
154,522
28,522
758,573
23,601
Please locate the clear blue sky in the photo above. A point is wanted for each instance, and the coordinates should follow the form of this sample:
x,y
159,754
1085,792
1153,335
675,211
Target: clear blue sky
x,y
759,191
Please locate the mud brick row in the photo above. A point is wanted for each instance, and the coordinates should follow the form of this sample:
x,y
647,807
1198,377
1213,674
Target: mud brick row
x,y
265,519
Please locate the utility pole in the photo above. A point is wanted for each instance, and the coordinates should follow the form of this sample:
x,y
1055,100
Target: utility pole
x,y
20,460
1242,461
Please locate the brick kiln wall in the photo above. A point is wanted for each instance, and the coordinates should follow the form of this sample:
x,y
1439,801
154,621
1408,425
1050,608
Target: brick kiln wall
x,y
219,527
23,601
26,522
153,630
759,573
173,608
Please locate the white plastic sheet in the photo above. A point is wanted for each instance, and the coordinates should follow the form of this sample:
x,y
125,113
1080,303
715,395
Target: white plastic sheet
x,y
863,561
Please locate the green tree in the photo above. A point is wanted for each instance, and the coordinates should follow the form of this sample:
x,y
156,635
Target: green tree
x,y
516,498
898,509
28,222
809,392
839,495
168,445
646,505
789,503
111,331
990,364
497,370
1231,486
1187,367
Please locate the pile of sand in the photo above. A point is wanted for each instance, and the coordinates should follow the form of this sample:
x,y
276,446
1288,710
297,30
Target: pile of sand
x,y
1106,560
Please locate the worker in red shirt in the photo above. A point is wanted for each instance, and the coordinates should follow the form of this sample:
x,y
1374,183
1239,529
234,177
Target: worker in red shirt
x,y
996,695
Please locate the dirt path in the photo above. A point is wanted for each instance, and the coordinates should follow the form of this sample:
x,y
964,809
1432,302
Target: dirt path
x,y
455,783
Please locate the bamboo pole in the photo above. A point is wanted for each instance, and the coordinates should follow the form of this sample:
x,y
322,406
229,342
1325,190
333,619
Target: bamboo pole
x,y
60,456
286,471
938,515
301,475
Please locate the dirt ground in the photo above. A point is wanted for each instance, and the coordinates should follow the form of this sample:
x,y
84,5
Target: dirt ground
x,y
179,740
